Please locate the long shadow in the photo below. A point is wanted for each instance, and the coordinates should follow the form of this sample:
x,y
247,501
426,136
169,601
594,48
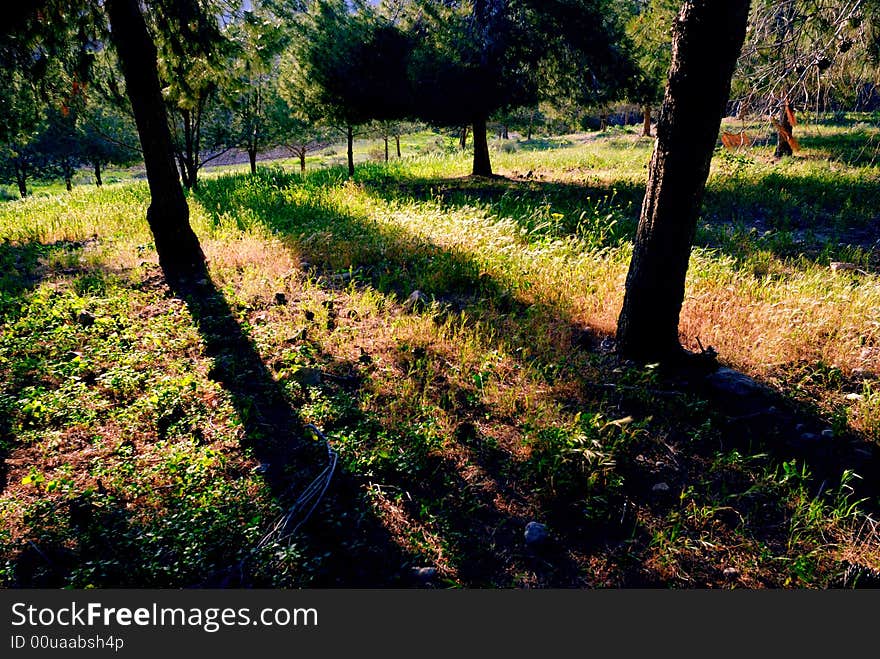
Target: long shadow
x,y
98,534
396,263
358,550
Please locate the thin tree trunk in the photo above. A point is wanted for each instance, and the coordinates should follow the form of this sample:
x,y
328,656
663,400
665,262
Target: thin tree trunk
x,y
505,134
646,126
462,138
783,148
98,181
302,161
350,137
180,255
482,164
397,141
21,179
68,182
252,157
531,125
707,38
386,148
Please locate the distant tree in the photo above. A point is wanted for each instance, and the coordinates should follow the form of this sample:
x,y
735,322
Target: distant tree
x,y
650,32
349,66
707,38
21,118
476,58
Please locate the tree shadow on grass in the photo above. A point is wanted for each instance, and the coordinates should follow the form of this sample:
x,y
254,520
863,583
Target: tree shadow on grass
x,y
674,456
98,538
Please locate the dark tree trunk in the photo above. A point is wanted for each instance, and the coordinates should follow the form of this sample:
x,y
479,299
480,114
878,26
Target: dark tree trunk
x,y
180,254
350,138
252,157
386,148
397,141
68,182
646,126
505,134
482,164
707,39
97,166
603,120
302,161
21,179
783,148
462,138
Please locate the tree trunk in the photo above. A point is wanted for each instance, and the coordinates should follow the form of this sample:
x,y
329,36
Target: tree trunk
x,y
482,164
646,126
68,182
531,125
21,179
707,38
302,161
350,137
386,148
180,255
505,134
98,181
783,148
462,138
397,141
252,157
603,120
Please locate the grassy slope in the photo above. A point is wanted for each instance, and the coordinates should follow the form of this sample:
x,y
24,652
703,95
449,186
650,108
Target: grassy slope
x,y
459,419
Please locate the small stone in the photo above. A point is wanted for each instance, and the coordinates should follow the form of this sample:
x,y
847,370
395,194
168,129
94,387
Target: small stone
x,y
853,397
660,488
828,433
730,382
85,319
424,574
536,533
416,300
307,377
730,573
280,298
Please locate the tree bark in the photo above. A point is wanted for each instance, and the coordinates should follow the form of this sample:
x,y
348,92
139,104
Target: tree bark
x,y
531,125
707,38
21,179
462,138
397,141
783,148
386,148
97,166
252,157
180,255
646,126
350,139
482,164
68,182
302,161
505,134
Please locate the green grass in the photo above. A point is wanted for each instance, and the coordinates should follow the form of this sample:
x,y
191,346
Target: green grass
x,y
132,440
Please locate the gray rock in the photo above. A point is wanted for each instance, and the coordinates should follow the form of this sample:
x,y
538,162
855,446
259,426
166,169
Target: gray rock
x,y
416,300
536,533
660,488
730,382
730,573
307,377
424,574
828,433
853,397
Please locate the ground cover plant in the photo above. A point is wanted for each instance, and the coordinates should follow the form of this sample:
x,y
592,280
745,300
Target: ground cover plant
x,y
451,336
